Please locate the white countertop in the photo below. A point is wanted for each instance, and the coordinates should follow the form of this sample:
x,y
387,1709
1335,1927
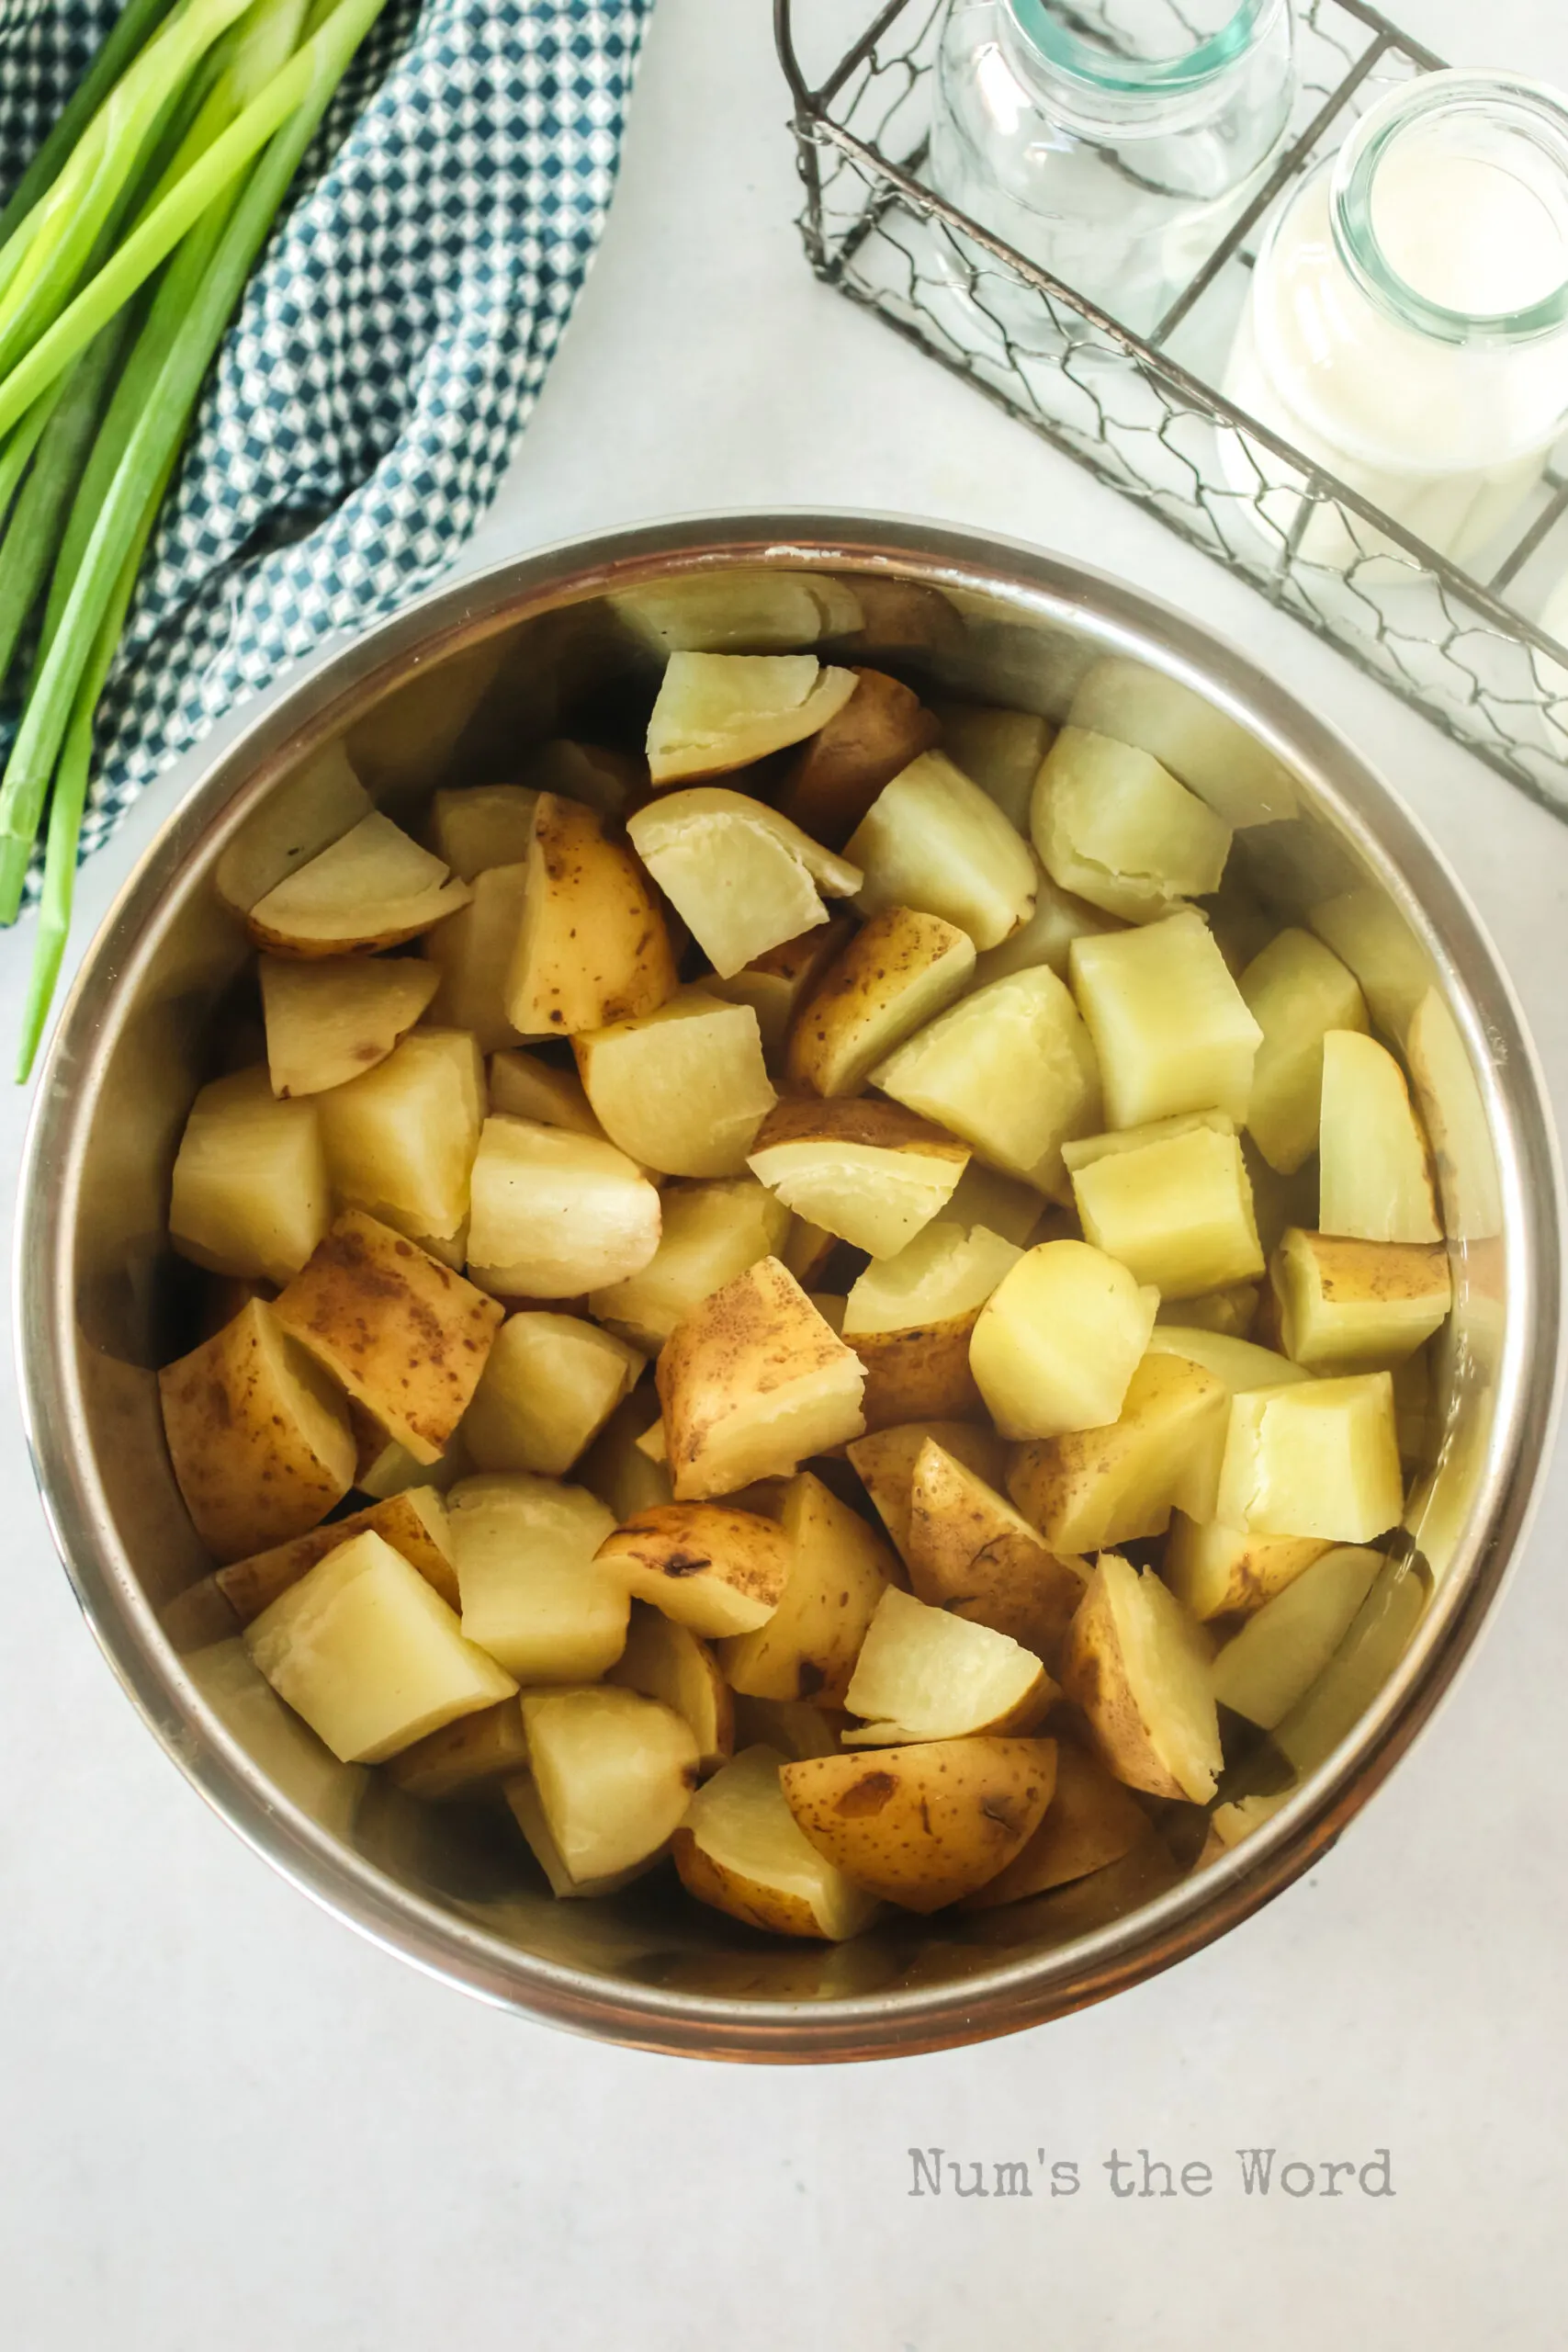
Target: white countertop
x,y
226,2120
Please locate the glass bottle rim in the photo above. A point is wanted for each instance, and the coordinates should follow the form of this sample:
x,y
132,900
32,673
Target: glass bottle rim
x,y
1098,69
1530,107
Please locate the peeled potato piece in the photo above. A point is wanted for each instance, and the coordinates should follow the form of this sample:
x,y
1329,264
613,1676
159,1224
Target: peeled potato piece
x,y
777,984
884,1461
751,1383
900,970
1374,1168
934,841
1010,1070
1137,1666
708,1565
259,1439
682,1090
1114,826
1058,1341
550,1383
1279,1653
668,1662
1219,1571
1176,1213
1090,1822
1170,1028
1359,1306
524,1550
252,1193
591,945
373,888
484,825
911,1319
741,877
833,780
1318,1459
471,953
740,1850
556,1214
413,1523
613,1773
333,1020
370,1656
716,711
923,1674
710,1233
839,1572
1297,992
871,1172
401,1140
1089,1490
972,1552
922,1825
524,1087
998,750
403,1334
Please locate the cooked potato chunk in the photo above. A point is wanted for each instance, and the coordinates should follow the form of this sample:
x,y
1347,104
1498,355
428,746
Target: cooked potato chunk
x,y
839,1572
1359,1306
484,825
924,1824
923,1674
884,1461
549,1385
1010,1070
1279,1653
523,1087
934,841
668,1662
1239,1362
741,877
795,1727
741,610
682,1090
370,1656
259,1439
615,1466
413,1523
1203,745
1059,1340
252,1195
471,953
998,750
613,1773
1321,1458
403,1334
309,810
385,1468
1297,992
709,1566
1058,919
911,1319
1230,1312
776,985
971,1553
523,1549
1085,1151
1368,933
711,1233
333,1020
871,1172
401,1140
1115,827
751,1383
1090,1822
1178,1212
1463,1141
1138,1667
373,888
1091,1488
1374,1168
897,974
717,711
464,1757
741,1848
593,946
1003,1204
557,1215
1169,1025
833,780
1219,1571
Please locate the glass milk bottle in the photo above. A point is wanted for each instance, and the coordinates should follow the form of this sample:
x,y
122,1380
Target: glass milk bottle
x,y
1115,155
1407,324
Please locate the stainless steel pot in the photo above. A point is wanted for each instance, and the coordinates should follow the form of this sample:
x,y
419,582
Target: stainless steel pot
x,y
455,685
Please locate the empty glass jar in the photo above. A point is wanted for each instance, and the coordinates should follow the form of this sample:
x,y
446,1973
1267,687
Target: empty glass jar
x,y
1114,142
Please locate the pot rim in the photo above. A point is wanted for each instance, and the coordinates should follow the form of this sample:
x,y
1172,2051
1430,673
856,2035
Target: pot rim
x,y
315,704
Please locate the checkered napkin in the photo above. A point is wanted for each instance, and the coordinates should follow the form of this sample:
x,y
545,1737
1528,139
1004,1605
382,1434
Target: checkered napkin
x,y
391,343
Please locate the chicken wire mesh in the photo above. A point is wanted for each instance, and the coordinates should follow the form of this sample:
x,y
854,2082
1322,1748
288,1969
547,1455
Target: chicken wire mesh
x,y
1145,412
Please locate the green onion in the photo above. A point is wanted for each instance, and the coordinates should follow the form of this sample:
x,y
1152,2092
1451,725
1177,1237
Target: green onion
x,y
134,24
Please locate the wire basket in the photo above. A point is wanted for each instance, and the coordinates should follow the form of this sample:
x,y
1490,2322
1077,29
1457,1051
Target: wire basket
x,y
1145,414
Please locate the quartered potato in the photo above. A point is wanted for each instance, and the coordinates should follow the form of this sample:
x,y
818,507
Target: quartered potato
x,y
1139,1667
1089,1490
924,1674
717,711
900,970
550,1383
1279,1653
839,1572
934,841
482,826
1170,1027
923,1824
471,953
1058,1341
741,1848
413,1523
332,1020
593,946
610,1775
373,888
1374,1165
1090,1822
682,1090
1177,1211
741,877
1320,1458
1358,1305
556,1214
401,1140
776,985
911,1319
1296,991
668,1662
998,750
972,1552
319,804
252,1192
710,1566
260,1442
833,780
710,1233
884,1461
1219,1571
1114,826
870,1172
524,1550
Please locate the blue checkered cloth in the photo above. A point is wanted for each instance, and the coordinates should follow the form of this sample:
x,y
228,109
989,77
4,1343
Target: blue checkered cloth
x,y
392,340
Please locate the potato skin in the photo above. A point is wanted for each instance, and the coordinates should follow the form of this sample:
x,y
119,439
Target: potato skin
x,y
593,946
746,1899
921,1374
832,782
757,1336
1094,1674
250,1585
851,1022
715,1555
966,1555
926,1824
1091,1821
867,1120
